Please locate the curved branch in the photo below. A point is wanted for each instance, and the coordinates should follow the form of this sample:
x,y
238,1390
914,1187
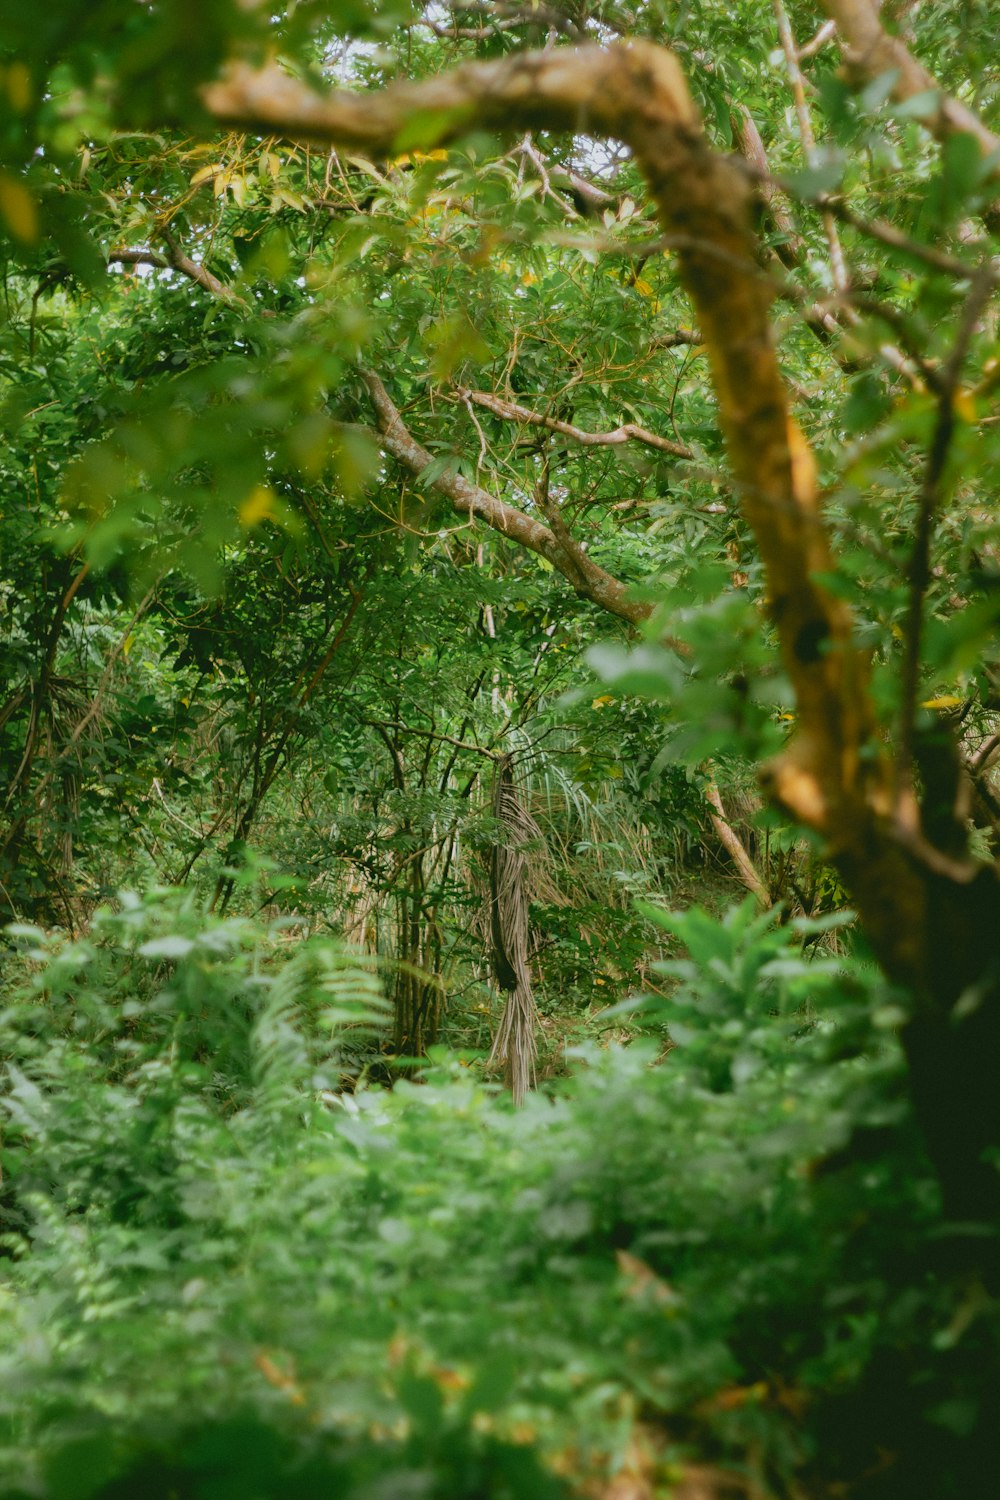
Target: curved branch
x,y
587,579
176,260
511,411
870,52
577,88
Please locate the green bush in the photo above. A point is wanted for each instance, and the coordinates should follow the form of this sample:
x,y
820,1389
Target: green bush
x,y
736,1241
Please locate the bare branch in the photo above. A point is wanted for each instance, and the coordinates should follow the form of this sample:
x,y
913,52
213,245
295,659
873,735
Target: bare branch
x,y
888,234
825,34
511,411
138,258
807,135
677,339
176,260
748,141
734,845
198,273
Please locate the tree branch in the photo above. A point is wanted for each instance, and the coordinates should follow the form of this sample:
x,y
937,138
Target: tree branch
x,y
790,247
734,845
629,432
176,260
870,52
835,774
587,579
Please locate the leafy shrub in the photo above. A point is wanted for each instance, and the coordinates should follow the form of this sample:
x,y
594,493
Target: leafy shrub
x,y
397,1290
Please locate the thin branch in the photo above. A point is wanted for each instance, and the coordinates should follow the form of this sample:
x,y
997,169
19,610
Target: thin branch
x,y
446,739
837,266
677,339
789,248
138,258
198,273
920,558
734,845
570,546
987,751
825,34
888,234
628,432
176,260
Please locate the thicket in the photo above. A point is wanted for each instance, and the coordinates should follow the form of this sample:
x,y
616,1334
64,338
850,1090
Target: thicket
x,y
449,558
238,1268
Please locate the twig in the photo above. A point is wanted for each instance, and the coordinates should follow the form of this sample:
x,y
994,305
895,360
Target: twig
x,y
837,267
188,828
888,234
825,34
428,734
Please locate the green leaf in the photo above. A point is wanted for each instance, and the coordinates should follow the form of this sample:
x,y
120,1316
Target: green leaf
x,y
174,946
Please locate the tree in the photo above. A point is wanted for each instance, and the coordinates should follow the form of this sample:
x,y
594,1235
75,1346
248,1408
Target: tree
x,y
874,765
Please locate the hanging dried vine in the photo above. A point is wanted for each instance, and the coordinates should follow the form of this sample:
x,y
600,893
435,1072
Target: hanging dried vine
x,y
510,875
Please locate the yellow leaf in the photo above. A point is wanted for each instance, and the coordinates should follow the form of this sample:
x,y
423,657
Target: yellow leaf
x,y
602,700
643,287
947,700
204,173
965,406
803,465
19,87
529,278
127,644
258,506
18,209
276,1376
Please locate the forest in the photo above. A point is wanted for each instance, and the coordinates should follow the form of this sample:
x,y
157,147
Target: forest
x,y
499,750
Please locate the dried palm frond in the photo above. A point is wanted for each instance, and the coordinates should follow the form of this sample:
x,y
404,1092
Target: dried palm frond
x,y
514,1044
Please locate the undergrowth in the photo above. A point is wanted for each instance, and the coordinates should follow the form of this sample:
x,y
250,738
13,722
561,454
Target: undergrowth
x,y
236,1268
